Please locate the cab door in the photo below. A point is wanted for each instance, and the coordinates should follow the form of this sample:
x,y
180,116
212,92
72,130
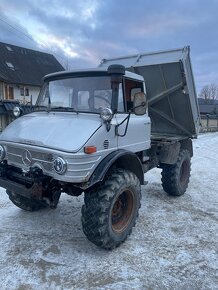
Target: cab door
x,y
133,132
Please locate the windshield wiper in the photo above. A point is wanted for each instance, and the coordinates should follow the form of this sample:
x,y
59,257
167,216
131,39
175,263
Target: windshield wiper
x,y
66,109
39,108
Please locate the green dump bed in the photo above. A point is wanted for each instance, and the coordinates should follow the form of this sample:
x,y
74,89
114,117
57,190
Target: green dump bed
x,y
172,100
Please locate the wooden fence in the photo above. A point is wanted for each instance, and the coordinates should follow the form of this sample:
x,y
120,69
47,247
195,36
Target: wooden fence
x,y
209,123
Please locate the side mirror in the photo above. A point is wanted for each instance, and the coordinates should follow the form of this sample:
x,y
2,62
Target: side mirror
x,y
140,103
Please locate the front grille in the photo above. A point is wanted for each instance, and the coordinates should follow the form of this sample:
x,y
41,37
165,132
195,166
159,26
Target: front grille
x,y
15,156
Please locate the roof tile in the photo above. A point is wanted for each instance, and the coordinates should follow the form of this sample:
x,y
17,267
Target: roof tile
x,y
29,65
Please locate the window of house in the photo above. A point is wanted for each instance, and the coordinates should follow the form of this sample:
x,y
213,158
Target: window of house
x,y
22,91
26,92
9,48
11,93
10,65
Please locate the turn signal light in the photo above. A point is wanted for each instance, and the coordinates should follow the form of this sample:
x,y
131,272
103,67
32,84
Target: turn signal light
x,y
90,149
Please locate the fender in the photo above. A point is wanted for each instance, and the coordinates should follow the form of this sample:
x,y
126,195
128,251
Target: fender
x,y
187,144
122,159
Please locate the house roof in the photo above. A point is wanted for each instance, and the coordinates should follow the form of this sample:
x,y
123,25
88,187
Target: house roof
x,y
202,101
208,108
19,65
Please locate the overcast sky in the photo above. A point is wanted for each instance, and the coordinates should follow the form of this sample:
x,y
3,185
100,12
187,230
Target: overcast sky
x,y
82,32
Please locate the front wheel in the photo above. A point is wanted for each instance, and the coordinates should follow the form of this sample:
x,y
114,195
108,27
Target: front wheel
x,y
110,212
175,178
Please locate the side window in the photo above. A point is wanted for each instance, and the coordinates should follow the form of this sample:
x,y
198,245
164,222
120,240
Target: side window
x,y
131,88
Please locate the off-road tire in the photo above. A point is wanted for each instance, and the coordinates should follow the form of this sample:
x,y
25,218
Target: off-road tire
x,y
175,178
26,203
110,211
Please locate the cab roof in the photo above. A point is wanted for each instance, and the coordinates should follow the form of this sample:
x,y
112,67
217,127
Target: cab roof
x,y
86,73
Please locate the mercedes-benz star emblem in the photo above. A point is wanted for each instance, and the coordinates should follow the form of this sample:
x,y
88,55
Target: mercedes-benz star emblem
x,y
27,158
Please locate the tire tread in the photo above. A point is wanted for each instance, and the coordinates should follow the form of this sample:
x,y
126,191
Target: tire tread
x,y
171,175
95,211
25,203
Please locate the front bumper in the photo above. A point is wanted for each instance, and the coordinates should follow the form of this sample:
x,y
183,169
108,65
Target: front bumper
x,y
16,188
30,185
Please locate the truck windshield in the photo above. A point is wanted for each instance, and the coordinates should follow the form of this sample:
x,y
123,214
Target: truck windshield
x,y
88,94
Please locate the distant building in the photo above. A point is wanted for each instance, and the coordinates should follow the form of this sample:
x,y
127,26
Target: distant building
x,y
21,72
207,109
210,108
209,115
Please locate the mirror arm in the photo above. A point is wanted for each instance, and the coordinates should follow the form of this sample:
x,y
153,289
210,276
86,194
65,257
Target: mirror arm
x,y
127,124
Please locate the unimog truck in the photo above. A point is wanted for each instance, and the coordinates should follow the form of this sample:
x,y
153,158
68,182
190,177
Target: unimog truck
x,y
97,132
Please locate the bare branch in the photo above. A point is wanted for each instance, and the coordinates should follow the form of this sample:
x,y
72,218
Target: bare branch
x,y
209,93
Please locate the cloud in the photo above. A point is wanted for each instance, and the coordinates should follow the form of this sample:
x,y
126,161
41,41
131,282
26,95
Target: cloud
x,y
12,33
83,32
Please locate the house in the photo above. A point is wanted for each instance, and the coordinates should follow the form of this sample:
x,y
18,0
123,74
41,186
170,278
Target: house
x,y
208,108
21,73
209,115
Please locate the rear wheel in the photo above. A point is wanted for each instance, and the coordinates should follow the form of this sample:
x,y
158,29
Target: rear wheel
x,y
110,212
26,203
175,178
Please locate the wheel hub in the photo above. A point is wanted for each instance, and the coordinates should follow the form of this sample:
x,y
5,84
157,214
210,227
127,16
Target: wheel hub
x,y
122,211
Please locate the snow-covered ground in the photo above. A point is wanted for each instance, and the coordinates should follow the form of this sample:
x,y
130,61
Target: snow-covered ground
x,y
173,246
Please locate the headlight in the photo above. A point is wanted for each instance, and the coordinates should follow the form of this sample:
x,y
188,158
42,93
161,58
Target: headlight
x,y
60,165
16,112
106,114
2,153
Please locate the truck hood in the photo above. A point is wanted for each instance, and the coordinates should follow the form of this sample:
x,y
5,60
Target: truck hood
x,y
57,130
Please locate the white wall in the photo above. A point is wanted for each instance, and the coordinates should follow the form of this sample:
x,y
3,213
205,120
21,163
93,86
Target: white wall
x,y
34,91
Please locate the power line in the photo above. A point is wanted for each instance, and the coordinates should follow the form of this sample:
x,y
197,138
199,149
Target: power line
x,y
19,30
28,36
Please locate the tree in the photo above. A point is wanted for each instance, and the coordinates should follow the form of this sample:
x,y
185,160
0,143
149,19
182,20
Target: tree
x,y
209,93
